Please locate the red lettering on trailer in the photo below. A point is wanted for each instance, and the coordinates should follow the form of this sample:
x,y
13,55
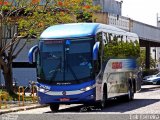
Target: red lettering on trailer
x,y
117,65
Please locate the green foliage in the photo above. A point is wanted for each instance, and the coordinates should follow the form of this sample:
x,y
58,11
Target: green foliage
x,y
149,72
62,11
142,60
32,18
14,96
122,49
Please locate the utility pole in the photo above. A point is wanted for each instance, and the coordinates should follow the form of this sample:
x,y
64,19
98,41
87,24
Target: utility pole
x,y
1,37
158,21
1,31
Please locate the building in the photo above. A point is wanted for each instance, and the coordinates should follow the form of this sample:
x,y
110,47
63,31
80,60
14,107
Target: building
x,y
158,20
109,6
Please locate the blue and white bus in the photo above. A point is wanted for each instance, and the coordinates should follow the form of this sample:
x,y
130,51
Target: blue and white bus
x,y
85,63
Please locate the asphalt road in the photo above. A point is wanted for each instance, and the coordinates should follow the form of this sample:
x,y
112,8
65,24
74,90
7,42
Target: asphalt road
x,y
145,106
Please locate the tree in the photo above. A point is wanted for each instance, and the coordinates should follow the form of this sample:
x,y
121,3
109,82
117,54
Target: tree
x,y
143,59
8,46
32,18
121,48
62,11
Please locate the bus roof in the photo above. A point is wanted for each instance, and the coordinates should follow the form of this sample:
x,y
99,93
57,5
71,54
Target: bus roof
x,y
80,30
70,30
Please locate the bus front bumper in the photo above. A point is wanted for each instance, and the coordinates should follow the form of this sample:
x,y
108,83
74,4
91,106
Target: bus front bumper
x,y
53,97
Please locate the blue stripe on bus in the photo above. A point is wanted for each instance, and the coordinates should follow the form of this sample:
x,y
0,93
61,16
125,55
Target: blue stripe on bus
x,y
130,64
67,87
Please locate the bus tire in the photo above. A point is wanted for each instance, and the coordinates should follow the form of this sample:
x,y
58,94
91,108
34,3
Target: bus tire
x,y
103,102
54,107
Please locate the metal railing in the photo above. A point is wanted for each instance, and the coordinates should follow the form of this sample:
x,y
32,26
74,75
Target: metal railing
x,y
34,93
21,99
3,100
21,94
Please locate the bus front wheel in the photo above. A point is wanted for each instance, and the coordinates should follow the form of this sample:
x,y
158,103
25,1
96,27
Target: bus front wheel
x,y
54,107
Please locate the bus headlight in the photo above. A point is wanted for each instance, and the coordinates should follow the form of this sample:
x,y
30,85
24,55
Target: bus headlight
x,y
88,88
41,90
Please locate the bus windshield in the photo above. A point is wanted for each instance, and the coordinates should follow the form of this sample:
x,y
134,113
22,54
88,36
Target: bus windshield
x,y
65,60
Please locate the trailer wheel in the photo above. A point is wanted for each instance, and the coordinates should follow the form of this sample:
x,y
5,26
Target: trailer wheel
x,y
101,104
104,100
54,107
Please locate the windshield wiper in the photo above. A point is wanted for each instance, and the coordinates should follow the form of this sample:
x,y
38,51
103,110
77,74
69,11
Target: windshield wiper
x,y
55,72
58,68
73,73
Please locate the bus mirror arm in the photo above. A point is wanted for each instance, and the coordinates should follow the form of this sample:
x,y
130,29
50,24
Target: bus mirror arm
x,y
30,53
95,50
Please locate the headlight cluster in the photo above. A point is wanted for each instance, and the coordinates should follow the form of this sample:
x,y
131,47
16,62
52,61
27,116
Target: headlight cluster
x,y
41,89
88,88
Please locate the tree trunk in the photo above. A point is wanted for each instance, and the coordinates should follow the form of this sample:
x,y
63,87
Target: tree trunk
x,y
8,79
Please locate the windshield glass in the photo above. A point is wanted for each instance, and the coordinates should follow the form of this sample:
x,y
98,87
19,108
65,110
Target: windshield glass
x,y
51,61
66,60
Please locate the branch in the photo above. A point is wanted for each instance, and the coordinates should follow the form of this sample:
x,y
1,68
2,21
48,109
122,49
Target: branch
x,y
11,4
14,39
14,56
2,4
15,11
15,46
47,2
4,66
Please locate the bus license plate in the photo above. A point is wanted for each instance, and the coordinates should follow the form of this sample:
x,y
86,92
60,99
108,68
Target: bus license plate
x,y
64,99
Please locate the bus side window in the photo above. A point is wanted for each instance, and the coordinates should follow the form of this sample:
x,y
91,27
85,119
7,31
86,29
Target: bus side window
x,y
98,63
105,38
110,37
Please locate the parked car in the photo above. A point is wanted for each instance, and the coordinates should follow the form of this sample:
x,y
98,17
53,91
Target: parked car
x,y
152,79
150,76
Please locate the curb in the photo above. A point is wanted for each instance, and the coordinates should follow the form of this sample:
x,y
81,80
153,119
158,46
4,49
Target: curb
x,y
22,108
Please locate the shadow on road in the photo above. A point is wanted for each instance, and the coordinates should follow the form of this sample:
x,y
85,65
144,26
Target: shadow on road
x,y
113,106
120,106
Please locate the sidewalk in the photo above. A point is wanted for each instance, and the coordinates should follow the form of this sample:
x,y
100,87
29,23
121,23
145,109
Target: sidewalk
x,y
16,108
13,106
150,86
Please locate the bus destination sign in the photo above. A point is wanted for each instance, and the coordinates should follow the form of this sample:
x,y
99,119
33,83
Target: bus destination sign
x,y
53,42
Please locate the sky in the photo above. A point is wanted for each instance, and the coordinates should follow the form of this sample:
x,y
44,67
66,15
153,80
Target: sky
x,y
141,10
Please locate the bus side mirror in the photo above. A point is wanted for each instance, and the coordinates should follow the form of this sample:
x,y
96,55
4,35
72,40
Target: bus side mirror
x,y
30,53
95,50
